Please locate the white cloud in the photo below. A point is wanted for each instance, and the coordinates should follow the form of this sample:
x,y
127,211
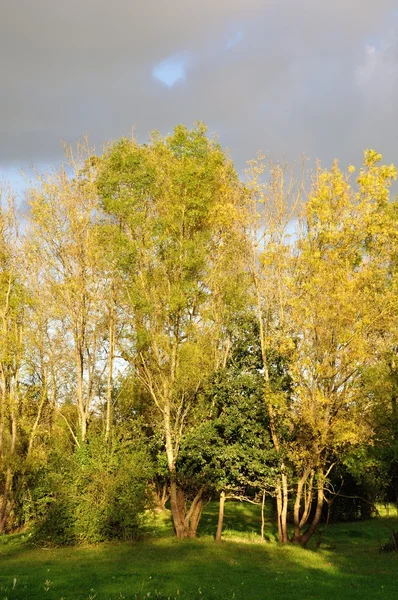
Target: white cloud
x,y
171,70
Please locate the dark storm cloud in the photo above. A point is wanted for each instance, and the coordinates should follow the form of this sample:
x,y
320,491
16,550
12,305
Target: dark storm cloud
x,y
284,76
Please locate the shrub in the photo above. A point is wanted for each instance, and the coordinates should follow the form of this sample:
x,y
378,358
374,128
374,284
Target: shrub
x,y
99,492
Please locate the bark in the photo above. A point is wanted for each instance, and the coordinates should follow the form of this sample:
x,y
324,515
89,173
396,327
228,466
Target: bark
x,y
177,505
285,498
5,507
185,522
192,518
282,497
305,537
307,500
161,495
79,391
297,506
220,517
110,374
37,421
2,408
262,516
177,499
281,503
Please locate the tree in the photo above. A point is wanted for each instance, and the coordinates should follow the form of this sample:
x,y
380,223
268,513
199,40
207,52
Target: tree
x,y
323,303
175,203
64,245
341,307
275,205
231,451
21,400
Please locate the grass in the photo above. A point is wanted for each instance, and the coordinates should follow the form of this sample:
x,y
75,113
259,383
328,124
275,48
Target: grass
x,y
348,565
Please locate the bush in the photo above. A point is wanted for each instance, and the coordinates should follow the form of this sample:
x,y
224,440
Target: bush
x,y
100,492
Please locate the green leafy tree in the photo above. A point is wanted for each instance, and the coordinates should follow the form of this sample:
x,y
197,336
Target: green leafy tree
x,y
176,203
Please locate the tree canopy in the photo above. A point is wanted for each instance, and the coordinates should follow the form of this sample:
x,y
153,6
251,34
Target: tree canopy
x,y
171,331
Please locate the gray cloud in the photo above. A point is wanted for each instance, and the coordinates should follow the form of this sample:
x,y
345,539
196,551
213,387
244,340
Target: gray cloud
x,y
284,76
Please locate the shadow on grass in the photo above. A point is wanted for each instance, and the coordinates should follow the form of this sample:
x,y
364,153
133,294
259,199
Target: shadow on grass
x,y
193,569
239,516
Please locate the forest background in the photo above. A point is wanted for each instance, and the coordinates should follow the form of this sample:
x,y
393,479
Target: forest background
x,y
172,333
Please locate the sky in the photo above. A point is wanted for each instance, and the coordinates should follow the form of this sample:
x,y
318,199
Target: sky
x,y
288,77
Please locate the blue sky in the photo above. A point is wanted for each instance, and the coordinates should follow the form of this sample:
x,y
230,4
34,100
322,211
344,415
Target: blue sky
x,y
286,77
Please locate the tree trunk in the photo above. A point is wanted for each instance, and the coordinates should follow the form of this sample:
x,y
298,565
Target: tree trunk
x,y
281,505
305,537
37,419
297,506
177,505
262,516
177,498
185,522
161,495
2,407
220,517
279,510
79,393
4,508
109,385
285,498
193,517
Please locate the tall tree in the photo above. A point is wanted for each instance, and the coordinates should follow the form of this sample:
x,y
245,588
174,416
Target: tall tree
x,y
175,202
21,402
64,243
324,303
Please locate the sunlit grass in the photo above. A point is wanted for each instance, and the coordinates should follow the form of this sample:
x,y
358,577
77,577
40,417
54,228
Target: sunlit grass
x,y
347,566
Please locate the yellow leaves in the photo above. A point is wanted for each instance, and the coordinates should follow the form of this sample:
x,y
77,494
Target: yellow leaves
x,y
331,198
371,157
333,287
374,180
223,214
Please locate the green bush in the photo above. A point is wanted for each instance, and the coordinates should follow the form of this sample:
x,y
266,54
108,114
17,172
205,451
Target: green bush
x,y
99,492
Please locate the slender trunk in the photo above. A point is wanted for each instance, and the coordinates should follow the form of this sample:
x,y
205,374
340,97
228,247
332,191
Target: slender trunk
x,y
394,405
285,497
37,421
79,394
304,539
4,508
220,517
279,510
282,497
297,505
394,416
282,493
110,375
307,500
4,382
195,519
13,421
2,408
296,511
161,495
192,518
262,516
44,387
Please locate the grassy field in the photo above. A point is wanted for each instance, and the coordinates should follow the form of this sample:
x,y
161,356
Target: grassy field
x,y
348,566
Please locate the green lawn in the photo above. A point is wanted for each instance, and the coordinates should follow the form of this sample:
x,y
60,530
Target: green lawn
x,y
347,567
